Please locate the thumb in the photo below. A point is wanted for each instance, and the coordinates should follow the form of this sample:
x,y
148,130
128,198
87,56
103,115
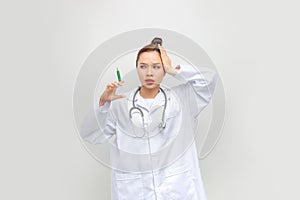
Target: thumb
x,y
119,96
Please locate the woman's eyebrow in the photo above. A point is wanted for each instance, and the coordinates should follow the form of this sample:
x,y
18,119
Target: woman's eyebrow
x,y
152,63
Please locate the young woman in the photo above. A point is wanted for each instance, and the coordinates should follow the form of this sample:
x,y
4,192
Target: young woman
x,y
154,155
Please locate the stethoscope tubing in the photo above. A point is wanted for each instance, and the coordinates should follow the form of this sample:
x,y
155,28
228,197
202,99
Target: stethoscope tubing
x,y
134,107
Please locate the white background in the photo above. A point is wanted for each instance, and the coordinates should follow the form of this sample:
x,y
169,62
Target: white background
x,y
254,45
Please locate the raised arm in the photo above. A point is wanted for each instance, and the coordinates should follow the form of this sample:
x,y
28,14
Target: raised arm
x,y
200,83
99,124
199,87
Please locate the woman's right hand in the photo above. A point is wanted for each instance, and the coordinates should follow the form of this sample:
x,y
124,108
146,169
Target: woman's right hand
x,y
110,93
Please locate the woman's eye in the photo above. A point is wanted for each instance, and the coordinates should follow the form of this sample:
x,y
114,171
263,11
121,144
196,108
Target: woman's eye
x,y
142,66
156,67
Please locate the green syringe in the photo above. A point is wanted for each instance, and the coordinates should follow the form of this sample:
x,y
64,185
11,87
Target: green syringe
x,y
118,75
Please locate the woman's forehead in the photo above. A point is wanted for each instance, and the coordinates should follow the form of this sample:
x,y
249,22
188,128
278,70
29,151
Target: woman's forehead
x,y
150,57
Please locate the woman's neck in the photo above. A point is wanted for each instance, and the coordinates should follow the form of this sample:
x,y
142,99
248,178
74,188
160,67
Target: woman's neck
x,y
149,93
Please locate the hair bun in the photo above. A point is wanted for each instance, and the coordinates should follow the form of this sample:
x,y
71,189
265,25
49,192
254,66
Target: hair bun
x,y
157,41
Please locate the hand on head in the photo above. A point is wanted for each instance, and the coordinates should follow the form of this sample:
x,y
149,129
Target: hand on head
x,y
167,62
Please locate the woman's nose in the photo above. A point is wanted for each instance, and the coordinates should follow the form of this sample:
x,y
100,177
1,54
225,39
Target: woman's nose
x,y
149,71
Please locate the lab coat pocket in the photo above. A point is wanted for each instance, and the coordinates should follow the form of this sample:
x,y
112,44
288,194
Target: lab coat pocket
x,y
179,185
129,186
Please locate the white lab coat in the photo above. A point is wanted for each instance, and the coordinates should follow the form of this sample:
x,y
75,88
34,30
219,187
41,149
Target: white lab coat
x,y
172,154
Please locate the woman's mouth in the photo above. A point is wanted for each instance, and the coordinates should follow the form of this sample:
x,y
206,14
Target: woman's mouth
x,y
149,81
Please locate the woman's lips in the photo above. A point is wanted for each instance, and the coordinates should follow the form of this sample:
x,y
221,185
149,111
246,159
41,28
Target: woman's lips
x,y
149,81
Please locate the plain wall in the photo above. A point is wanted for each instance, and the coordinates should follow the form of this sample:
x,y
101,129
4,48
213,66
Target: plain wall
x,y
254,45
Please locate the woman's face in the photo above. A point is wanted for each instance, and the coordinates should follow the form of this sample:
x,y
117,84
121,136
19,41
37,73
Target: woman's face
x,y
150,69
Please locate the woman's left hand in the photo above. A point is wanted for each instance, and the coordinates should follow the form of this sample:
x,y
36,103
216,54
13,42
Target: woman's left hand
x,y
167,62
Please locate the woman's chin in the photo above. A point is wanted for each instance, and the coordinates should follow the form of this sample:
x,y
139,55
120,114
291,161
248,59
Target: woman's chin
x,y
150,85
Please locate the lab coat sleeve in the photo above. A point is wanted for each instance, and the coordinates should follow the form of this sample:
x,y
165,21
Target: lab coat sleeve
x,y
98,125
197,92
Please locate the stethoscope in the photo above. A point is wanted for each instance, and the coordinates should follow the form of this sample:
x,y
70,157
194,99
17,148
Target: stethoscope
x,y
135,109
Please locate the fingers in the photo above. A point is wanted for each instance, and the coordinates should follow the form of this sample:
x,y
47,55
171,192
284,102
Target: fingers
x,y
119,96
109,93
167,63
114,85
162,50
164,56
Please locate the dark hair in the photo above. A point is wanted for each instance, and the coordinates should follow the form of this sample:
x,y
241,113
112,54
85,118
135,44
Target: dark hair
x,y
150,47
